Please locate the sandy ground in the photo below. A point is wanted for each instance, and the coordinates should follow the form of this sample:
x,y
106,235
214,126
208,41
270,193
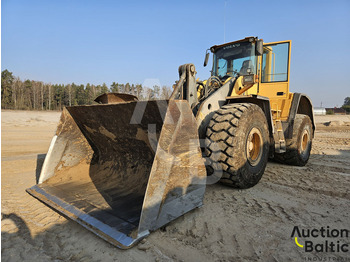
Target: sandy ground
x,y
233,225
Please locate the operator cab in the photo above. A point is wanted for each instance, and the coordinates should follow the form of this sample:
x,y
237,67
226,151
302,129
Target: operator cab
x,y
237,58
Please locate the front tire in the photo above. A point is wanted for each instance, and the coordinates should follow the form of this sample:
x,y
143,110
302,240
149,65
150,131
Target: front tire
x,y
237,144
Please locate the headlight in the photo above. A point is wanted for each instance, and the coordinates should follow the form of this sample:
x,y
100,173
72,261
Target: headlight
x,y
248,80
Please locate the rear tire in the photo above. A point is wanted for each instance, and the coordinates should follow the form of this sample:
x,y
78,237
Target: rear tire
x,y
237,144
298,148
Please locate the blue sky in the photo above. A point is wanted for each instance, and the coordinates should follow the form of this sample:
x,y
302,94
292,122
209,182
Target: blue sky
x,y
62,41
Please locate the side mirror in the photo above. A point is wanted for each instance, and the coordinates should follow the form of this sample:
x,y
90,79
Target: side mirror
x,y
206,58
259,48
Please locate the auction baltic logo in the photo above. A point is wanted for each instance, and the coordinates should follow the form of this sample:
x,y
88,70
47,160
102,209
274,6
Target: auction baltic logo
x,y
321,239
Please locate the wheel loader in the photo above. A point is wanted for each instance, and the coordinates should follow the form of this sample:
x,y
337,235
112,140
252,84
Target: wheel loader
x,y
123,168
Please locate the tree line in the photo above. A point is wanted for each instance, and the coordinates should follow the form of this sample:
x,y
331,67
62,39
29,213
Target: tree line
x,y
37,95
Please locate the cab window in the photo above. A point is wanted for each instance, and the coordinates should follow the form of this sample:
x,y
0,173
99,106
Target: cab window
x,y
275,63
235,59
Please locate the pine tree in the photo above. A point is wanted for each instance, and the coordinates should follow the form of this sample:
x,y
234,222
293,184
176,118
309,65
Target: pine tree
x,y
139,92
115,87
6,89
104,89
127,88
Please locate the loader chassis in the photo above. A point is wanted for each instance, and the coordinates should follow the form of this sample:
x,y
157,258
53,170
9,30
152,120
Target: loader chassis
x,y
249,72
269,89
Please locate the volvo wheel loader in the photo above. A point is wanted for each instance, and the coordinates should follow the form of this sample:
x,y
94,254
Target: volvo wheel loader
x,y
123,168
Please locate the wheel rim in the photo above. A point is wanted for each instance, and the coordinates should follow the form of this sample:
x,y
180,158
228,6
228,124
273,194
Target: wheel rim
x,y
254,146
304,141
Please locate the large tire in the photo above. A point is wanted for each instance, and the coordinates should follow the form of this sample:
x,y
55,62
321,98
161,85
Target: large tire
x,y
298,148
237,144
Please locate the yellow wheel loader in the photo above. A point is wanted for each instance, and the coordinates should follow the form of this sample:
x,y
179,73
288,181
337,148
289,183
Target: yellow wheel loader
x,y
123,168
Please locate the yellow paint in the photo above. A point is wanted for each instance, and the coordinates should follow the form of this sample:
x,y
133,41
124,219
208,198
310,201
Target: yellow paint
x,y
296,242
199,91
228,79
280,107
239,88
280,104
253,90
200,88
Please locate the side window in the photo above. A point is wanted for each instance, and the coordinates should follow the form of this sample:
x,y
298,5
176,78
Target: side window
x,y
275,63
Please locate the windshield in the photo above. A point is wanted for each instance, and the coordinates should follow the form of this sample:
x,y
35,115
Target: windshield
x,y
238,58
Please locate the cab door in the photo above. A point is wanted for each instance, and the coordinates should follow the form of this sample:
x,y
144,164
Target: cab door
x,y
274,77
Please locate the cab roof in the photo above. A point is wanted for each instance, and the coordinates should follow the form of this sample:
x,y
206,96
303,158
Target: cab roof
x,y
249,38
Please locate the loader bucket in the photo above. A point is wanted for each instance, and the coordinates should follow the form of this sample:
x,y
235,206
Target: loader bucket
x,y
123,170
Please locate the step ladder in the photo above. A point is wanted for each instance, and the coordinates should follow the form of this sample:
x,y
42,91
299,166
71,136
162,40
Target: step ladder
x,y
280,142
